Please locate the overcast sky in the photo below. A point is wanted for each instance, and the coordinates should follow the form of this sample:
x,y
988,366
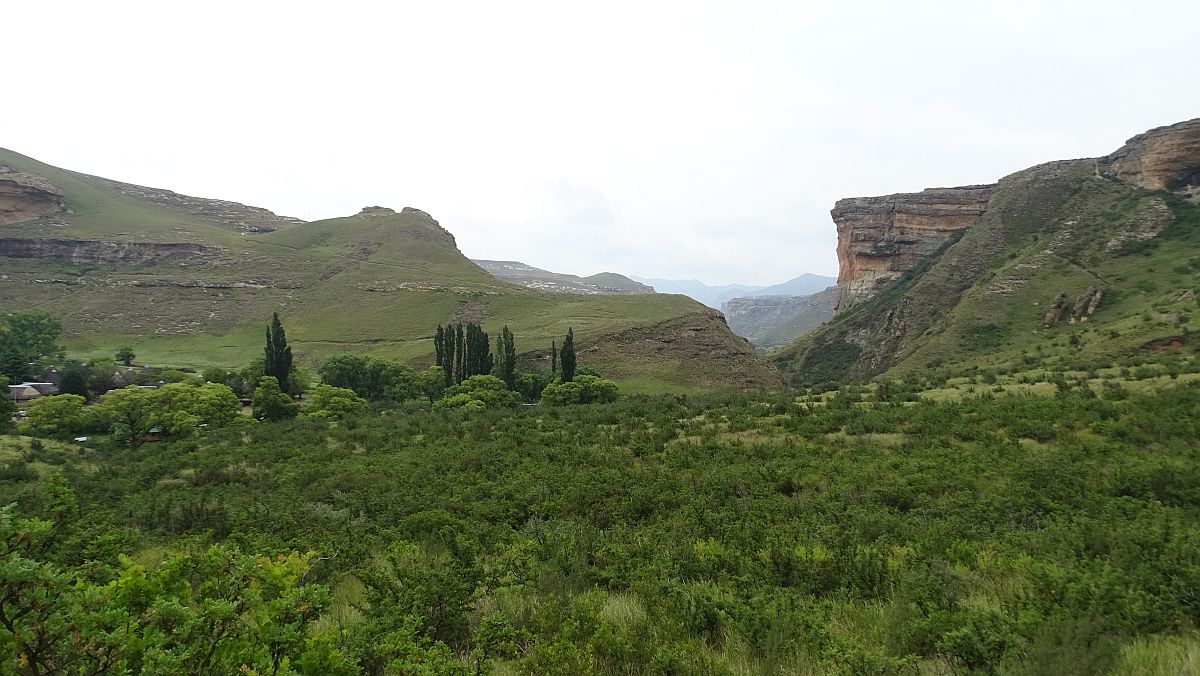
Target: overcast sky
x,y
684,140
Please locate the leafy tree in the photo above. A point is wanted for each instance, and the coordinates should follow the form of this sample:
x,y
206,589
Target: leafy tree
x,y
508,358
27,342
372,378
277,357
584,389
74,380
177,409
57,416
568,356
478,392
125,355
270,403
335,403
432,382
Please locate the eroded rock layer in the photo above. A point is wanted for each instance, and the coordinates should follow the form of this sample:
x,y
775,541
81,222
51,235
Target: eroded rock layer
x,y
880,238
1166,158
24,197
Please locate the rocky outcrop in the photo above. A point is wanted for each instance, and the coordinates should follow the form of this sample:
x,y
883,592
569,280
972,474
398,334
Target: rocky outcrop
x,y
522,274
92,252
773,321
1166,158
880,238
24,197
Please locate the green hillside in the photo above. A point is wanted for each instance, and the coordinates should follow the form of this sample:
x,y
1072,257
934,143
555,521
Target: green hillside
x,y
1058,232
192,282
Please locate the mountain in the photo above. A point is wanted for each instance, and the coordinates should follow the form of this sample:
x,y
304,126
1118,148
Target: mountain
x,y
804,285
770,322
715,296
1069,263
192,282
528,276
711,296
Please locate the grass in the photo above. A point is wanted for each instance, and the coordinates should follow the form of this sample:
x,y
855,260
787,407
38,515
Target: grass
x,y
365,284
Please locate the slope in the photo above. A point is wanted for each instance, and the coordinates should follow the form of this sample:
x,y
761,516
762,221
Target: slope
x,y
1071,262
523,274
192,282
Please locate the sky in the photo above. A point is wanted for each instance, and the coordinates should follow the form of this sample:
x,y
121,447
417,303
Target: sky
x,y
703,140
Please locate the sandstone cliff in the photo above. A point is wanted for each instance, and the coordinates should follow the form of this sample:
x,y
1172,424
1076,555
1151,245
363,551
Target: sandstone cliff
x,y
1165,158
24,197
880,238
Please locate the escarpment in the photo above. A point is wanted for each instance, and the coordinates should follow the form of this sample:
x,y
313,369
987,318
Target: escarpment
x,y
24,197
93,252
1165,158
881,238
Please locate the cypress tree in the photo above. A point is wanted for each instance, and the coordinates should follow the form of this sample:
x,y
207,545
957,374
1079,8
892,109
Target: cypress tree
x,y
568,356
448,354
460,350
438,348
277,358
507,351
553,359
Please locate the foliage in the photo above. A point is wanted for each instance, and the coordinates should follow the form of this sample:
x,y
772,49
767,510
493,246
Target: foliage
x,y
28,343
178,409
372,378
57,416
872,529
507,366
125,355
335,403
74,380
277,355
566,356
478,392
270,403
7,406
582,390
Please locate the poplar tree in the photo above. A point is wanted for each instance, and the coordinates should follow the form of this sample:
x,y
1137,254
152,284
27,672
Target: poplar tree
x,y
553,359
568,356
460,364
438,347
277,360
448,354
507,350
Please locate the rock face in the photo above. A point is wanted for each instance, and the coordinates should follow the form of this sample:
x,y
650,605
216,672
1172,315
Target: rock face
x,y
24,197
1166,158
773,321
91,252
880,238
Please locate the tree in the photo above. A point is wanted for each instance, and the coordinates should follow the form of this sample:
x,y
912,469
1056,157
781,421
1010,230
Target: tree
x,y
460,354
432,382
27,340
177,409
57,416
335,403
277,361
582,390
507,350
439,345
7,407
478,392
125,355
568,356
553,359
372,378
270,402
449,354
74,380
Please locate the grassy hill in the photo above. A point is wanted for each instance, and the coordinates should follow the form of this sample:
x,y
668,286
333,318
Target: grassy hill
x,y
190,281
1059,234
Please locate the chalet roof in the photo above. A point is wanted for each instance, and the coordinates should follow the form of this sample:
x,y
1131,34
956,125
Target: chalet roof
x,y
22,392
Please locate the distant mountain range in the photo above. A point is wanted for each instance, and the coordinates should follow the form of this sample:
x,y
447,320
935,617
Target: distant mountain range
x,y
530,277
716,296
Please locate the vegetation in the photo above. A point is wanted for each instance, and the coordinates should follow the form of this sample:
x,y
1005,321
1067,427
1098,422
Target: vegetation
x,y
883,529
567,357
277,359
28,343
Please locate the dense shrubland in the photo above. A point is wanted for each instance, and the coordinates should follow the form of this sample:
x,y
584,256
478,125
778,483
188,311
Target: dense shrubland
x,y
858,531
